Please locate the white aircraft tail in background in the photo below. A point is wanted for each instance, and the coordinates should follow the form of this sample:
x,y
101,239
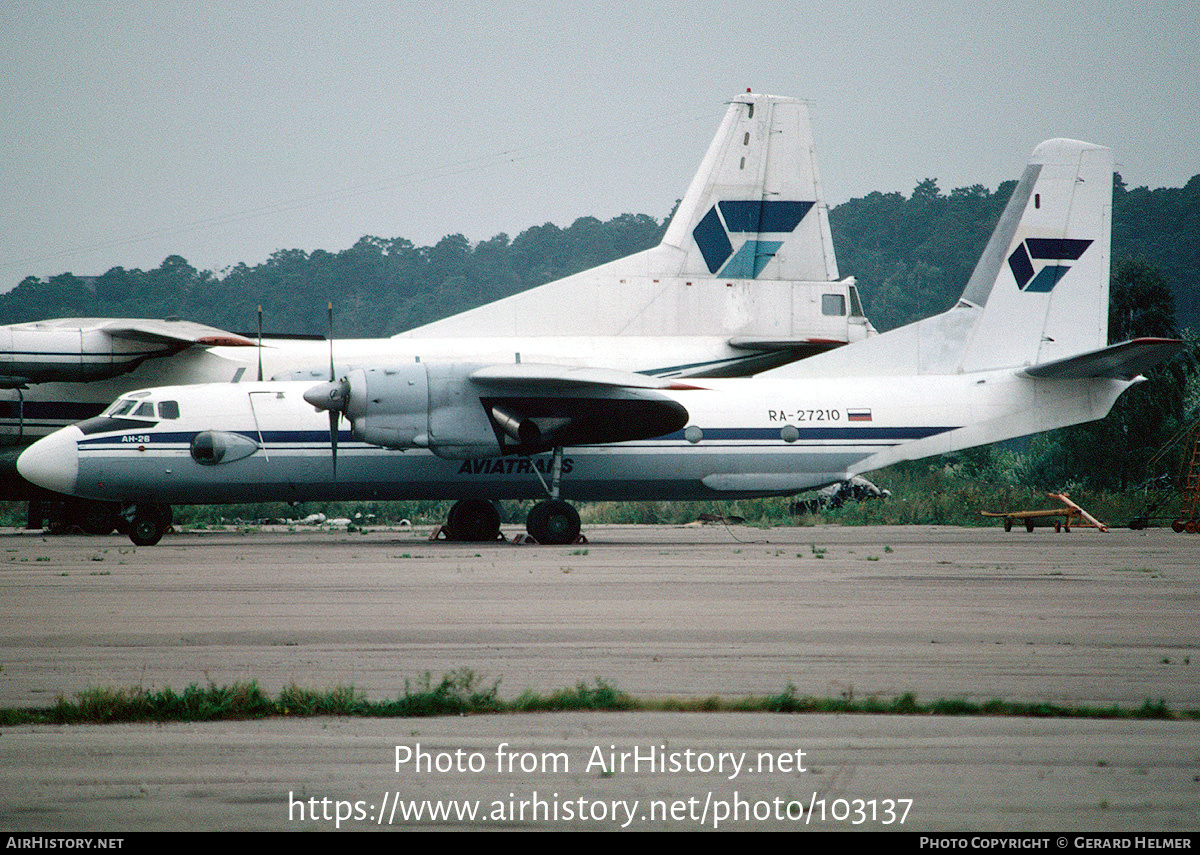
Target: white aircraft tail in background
x,y
747,256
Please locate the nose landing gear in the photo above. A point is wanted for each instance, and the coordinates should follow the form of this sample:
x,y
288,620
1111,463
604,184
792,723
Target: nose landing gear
x,y
148,522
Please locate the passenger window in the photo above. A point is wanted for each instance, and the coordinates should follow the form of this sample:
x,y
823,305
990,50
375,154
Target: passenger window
x,y
168,409
833,304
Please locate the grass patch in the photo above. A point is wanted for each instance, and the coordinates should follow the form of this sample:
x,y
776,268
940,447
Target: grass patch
x,y
947,490
461,693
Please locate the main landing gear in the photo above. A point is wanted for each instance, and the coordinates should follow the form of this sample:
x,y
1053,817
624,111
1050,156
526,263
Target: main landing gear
x,y
552,521
474,520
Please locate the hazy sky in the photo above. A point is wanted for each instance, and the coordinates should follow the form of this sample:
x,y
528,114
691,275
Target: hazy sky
x,y
225,131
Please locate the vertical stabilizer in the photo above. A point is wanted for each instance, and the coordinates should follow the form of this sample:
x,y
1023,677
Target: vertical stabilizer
x,y
1038,294
1043,284
754,208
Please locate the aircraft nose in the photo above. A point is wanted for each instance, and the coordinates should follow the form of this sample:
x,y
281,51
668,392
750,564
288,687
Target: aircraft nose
x,y
53,461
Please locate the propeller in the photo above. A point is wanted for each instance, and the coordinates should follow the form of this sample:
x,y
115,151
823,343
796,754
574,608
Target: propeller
x,y
331,396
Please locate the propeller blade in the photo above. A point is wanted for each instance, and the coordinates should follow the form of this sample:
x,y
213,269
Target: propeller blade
x,y
334,415
332,376
260,344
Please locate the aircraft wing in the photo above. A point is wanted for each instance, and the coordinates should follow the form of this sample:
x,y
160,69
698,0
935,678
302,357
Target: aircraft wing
x,y
536,407
526,374
1119,361
184,333
78,350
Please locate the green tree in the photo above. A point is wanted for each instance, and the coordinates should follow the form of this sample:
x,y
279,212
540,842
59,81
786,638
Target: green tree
x,y
1113,453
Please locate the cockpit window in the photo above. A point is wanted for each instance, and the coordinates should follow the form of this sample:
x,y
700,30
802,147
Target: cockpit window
x,y
129,408
856,309
120,408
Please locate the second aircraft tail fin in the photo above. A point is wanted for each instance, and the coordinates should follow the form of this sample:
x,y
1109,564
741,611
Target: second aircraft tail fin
x,y
747,256
755,206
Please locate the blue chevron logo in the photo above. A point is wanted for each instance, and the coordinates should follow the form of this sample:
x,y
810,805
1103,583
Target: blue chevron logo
x,y
750,217
1044,249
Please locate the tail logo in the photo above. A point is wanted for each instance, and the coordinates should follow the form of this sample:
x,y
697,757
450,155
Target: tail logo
x,y
1044,249
745,217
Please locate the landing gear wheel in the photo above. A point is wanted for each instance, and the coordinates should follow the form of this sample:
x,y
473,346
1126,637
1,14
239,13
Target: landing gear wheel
x,y
148,523
553,522
473,520
146,529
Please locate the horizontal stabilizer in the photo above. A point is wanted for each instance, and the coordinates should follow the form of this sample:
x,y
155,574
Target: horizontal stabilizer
x,y
1118,362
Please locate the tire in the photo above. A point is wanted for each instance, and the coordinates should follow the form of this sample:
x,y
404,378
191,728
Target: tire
x,y
473,520
554,523
146,529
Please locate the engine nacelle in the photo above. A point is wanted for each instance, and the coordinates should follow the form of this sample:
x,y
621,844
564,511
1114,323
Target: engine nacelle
x,y
422,405
32,354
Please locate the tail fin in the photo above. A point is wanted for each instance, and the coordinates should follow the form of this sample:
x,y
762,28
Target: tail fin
x,y
1044,286
748,255
1038,294
755,206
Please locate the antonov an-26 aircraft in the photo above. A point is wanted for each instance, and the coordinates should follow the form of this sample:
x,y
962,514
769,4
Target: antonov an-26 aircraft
x,y
745,279
1024,350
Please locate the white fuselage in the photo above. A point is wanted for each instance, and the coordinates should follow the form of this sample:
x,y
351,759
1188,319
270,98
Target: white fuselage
x,y
743,438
